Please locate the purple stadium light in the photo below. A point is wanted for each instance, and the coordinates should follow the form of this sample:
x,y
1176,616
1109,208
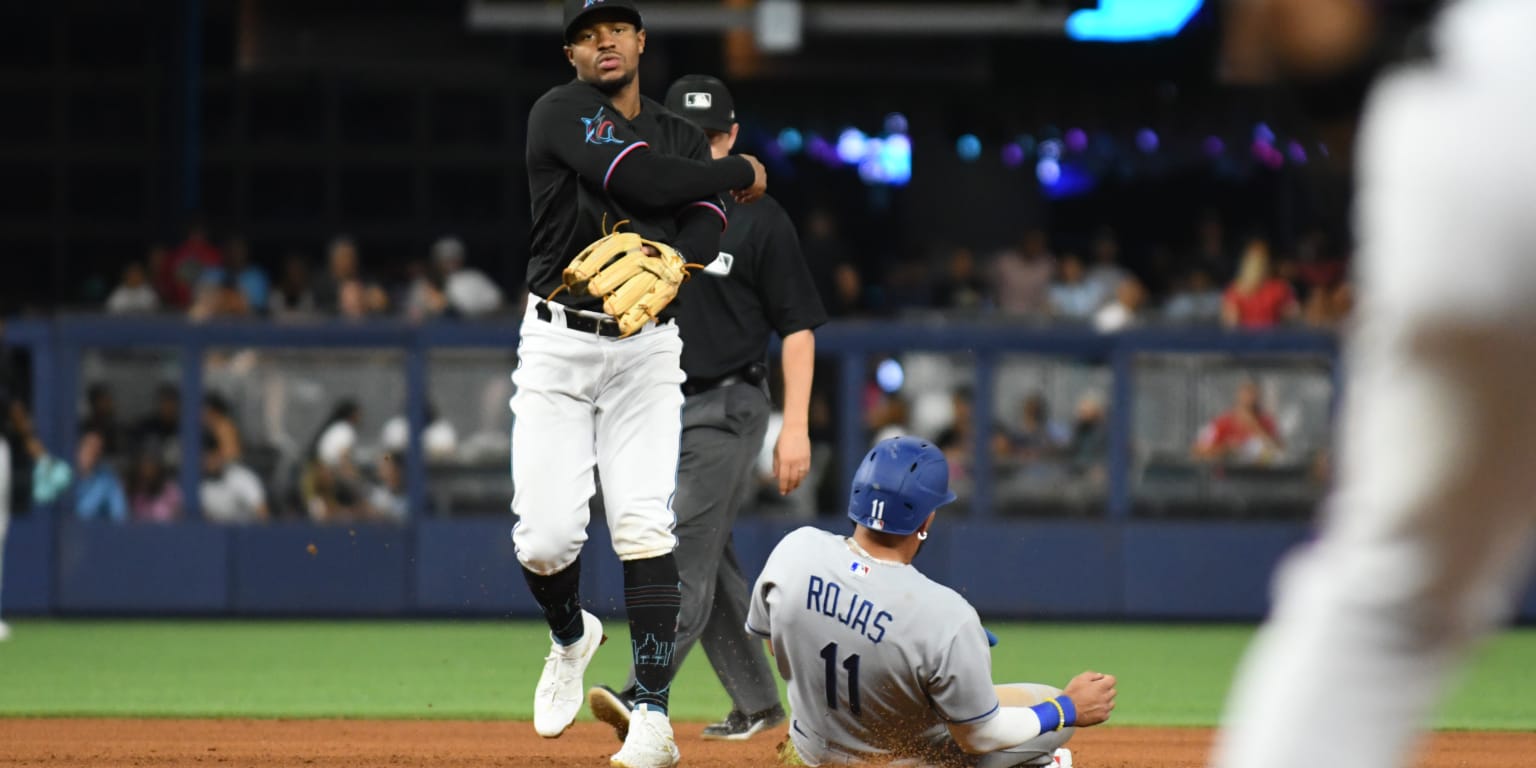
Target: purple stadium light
x,y
1214,146
1263,133
1013,155
1146,140
1077,139
895,122
1296,152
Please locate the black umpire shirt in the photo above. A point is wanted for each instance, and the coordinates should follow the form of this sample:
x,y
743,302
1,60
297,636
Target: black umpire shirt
x,y
667,189
758,284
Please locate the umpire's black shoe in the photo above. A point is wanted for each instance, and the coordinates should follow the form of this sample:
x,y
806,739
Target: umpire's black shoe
x,y
612,707
740,727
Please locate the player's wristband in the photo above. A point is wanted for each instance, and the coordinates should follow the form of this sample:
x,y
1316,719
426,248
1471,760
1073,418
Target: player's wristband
x,y
1055,714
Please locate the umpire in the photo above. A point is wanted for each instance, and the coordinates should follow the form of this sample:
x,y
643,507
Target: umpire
x,y
757,285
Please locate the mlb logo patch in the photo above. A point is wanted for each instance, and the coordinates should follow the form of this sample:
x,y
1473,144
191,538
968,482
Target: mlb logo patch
x,y
877,524
858,569
698,100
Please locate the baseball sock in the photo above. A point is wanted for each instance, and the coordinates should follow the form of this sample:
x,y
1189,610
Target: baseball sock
x,y
559,594
653,597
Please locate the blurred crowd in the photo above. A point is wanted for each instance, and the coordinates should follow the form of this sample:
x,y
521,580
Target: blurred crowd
x,y
206,281
127,470
1239,282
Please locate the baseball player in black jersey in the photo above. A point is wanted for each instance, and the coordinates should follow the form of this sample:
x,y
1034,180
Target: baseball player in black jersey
x,y
590,397
758,285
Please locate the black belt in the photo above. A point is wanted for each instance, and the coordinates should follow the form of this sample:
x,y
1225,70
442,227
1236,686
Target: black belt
x,y
752,374
583,323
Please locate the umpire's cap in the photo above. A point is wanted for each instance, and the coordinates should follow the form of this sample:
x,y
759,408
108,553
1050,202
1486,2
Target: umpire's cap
x,y
704,101
576,10
899,483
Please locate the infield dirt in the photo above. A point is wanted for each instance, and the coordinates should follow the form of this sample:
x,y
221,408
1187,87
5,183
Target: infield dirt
x,y
67,743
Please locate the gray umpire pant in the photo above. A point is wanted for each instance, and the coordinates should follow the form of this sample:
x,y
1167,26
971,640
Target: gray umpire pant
x,y
723,430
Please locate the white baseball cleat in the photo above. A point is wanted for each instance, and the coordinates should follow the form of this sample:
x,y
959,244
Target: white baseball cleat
x,y
1061,758
5,631
558,696
650,743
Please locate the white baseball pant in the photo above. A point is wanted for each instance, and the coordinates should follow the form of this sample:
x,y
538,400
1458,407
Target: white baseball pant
x,y
584,401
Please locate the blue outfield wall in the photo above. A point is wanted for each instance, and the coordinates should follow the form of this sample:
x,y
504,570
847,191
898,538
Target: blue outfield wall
x,y
1117,567
1055,570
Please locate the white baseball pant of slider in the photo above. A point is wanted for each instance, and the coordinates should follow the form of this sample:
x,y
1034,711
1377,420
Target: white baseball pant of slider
x,y
1426,543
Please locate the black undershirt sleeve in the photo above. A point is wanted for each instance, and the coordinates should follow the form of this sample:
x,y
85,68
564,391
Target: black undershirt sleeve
x,y
647,179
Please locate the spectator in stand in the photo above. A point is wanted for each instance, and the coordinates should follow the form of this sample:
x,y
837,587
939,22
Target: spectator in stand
x,y
887,415
334,488
1038,435
1022,276
1246,434
357,300
1089,446
344,275
293,297
849,290
832,266
230,493
439,441
219,421
958,439
469,291
961,288
98,492
218,299
1210,252
1196,302
387,500
153,495
425,296
1257,299
1073,296
185,266
157,261
341,265
133,295
101,418
247,278
158,429
1330,308
1125,311
1106,271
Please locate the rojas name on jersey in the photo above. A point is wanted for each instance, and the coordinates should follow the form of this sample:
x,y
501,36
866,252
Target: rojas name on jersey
x,y
856,613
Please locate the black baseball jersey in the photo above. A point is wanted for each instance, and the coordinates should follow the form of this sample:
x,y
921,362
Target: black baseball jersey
x,y
757,284
576,141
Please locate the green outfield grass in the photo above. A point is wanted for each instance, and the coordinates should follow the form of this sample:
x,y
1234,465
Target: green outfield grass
x,y
1170,675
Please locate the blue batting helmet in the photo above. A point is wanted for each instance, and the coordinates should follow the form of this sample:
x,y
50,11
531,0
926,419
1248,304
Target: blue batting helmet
x,y
898,484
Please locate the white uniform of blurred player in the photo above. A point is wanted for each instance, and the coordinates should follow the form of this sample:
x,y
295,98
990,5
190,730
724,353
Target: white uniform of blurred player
x,y
1426,542
886,665
5,522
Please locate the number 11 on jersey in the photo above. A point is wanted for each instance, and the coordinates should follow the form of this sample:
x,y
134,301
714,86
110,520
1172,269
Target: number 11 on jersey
x,y
829,654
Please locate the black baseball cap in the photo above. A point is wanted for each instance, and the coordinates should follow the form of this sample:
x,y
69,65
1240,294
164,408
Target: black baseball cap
x,y
576,10
704,101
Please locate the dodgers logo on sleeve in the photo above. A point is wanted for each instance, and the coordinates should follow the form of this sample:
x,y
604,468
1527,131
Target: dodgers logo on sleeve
x,y
600,129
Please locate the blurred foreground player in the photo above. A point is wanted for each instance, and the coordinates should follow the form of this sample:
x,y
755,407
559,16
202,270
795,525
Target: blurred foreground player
x,y
1426,542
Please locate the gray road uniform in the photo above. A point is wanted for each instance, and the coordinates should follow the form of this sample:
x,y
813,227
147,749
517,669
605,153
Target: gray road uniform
x,y
879,658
